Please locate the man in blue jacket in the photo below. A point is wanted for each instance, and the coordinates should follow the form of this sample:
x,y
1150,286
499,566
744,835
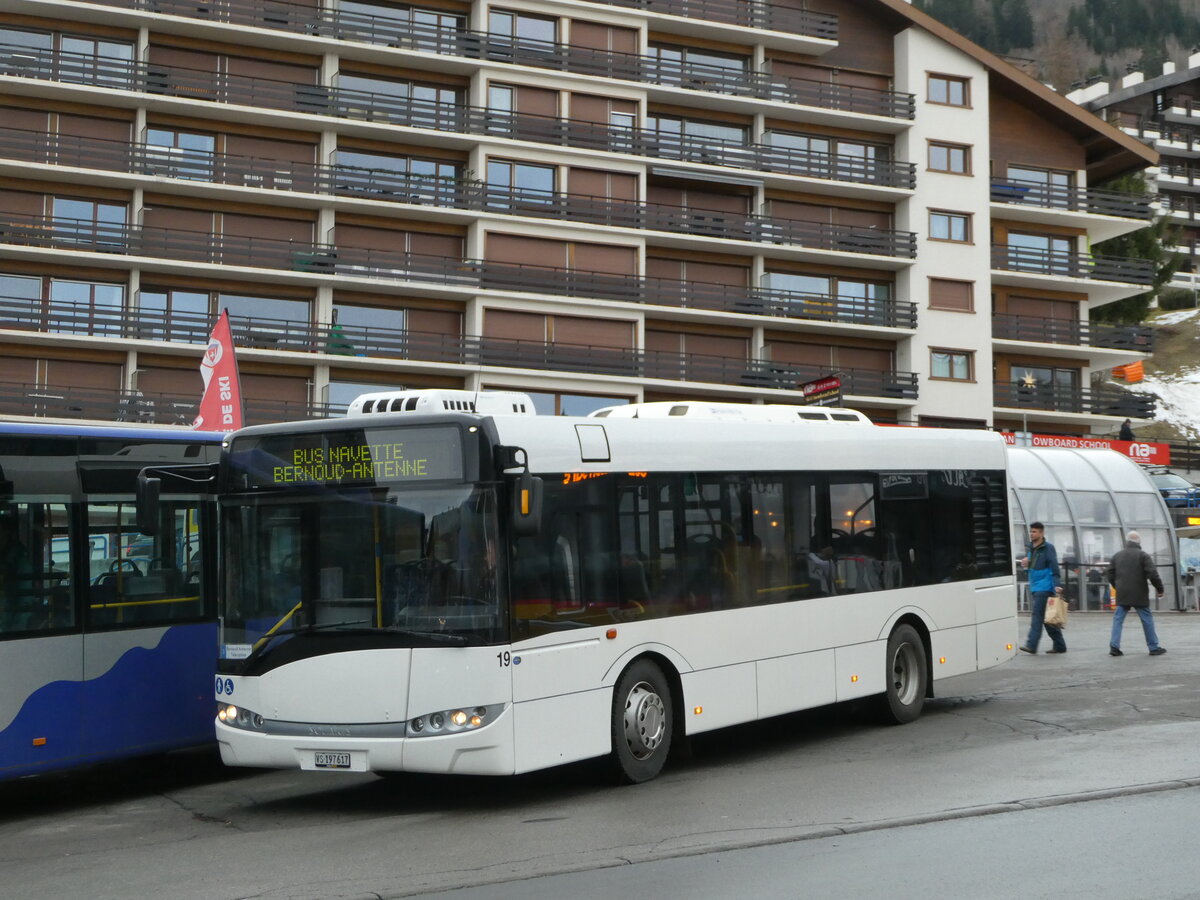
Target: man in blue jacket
x,y
1042,562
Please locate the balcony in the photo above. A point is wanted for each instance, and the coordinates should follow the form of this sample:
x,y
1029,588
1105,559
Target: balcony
x,y
465,120
1067,264
401,344
1036,329
1105,401
344,25
135,407
384,185
1072,199
329,261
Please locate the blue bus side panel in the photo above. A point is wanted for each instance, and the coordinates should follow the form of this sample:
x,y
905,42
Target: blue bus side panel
x,y
149,700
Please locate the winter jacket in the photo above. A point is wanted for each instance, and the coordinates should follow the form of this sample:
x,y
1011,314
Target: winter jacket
x,y
1129,571
1043,568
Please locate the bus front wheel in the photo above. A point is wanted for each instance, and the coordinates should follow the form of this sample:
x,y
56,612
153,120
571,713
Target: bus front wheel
x,y
907,677
642,725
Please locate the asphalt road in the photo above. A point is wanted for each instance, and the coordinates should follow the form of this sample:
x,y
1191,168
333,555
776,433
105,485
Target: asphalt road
x,y
996,750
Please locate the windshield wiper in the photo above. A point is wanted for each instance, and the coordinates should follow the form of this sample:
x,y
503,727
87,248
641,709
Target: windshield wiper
x,y
267,640
441,637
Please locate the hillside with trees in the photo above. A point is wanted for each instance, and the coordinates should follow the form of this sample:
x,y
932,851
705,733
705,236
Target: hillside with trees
x,y
1063,42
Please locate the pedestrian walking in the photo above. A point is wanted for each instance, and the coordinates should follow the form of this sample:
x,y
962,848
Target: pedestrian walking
x,y
1041,560
1126,433
1129,572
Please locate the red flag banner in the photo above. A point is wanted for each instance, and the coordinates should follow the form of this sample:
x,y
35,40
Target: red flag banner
x,y
221,405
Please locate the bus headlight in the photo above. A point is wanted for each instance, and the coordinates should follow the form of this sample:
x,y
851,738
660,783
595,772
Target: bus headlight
x,y
453,721
239,717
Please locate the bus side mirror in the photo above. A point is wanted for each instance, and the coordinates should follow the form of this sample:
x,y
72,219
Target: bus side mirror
x,y
527,505
147,503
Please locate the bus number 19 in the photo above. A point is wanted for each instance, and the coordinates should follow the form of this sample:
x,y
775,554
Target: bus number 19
x,y
504,658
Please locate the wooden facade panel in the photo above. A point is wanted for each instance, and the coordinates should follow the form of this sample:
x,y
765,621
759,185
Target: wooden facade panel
x,y
62,374
17,369
435,321
22,203
24,119
1022,137
274,388
598,183
514,326
598,36
606,258
526,251
94,127
274,71
177,382
266,148
593,332
184,59
263,227
177,219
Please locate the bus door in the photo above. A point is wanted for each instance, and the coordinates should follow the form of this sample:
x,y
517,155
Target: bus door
x,y
148,631
40,647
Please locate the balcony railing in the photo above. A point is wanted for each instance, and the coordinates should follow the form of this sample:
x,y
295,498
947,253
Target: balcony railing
x,y
385,185
1055,398
42,401
1072,199
346,25
1068,264
1065,331
468,120
330,260
389,343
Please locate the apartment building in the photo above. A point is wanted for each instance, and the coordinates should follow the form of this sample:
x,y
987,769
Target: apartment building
x,y
595,201
1160,110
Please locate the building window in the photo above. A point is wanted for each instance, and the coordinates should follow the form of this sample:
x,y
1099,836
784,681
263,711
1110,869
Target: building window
x,y
1046,387
950,365
86,307
523,28
552,404
716,132
89,221
1040,187
386,88
954,159
675,62
501,99
949,226
402,178
519,181
945,293
180,154
949,90
1043,253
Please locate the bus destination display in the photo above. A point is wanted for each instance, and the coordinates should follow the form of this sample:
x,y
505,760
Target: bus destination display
x,y
351,457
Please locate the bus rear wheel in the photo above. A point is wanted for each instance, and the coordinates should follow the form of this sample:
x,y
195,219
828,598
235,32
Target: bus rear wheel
x,y
642,723
907,677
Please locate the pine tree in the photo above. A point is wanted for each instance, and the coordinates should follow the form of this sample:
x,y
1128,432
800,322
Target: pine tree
x,y
1149,243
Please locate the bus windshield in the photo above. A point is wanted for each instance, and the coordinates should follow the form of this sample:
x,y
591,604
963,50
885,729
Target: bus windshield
x,y
415,563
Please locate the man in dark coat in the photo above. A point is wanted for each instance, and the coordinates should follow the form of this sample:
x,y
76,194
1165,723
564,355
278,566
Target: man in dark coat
x,y
1129,572
1126,432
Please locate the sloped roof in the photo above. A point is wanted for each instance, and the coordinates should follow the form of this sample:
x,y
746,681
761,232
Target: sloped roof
x,y
1110,152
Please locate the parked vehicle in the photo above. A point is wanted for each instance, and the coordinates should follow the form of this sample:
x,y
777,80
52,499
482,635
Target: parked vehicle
x,y
1175,489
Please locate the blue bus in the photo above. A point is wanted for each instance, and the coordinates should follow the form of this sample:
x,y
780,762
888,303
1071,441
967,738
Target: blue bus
x,y
107,635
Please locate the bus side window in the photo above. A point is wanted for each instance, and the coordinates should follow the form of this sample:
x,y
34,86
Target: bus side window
x,y
34,589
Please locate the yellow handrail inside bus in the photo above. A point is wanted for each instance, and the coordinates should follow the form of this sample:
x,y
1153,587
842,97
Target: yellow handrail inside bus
x,y
274,628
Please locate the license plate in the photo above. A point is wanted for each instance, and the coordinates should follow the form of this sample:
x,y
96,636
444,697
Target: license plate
x,y
332,760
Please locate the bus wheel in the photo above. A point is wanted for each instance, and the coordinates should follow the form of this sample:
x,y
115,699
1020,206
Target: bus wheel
x,y
641,723
907,677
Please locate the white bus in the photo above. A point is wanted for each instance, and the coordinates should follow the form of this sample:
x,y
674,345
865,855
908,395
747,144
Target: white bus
x,y
445,582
